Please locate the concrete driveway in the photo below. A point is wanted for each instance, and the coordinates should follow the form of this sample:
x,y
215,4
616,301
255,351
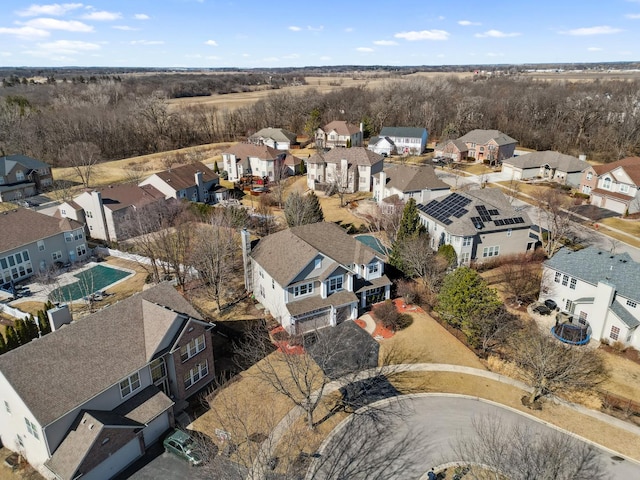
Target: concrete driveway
x,y
418,433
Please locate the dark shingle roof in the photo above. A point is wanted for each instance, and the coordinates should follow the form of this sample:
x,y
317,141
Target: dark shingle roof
x,y
7,163
593,265
62,370
24,226
408,132
117,197
263,152
622,313
354,156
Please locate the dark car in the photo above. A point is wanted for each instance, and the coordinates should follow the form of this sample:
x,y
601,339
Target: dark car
x,y
550,304
181,444
542,310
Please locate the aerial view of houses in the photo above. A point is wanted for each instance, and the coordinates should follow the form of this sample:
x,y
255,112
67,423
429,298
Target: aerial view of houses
x,y
308,250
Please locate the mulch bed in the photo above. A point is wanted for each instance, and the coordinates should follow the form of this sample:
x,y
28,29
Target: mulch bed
x,y
285,343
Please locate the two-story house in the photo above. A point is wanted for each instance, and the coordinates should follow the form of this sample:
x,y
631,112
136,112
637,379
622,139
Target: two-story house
x,y
315,276
402,182
105,210
405,140
548,165
22,176
194,182
479,224
89,398
32,242
339,134
614,186
277,138
351,169
490,145
598,290
245,159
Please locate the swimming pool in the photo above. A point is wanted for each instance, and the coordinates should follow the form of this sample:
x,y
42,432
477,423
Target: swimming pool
x,y
89,281
373,242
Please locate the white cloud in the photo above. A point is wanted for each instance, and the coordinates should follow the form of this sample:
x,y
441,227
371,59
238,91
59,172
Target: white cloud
x,y
349,29
126,28
599,30
26,33
68,47
633,16
440,55
141,16
293,28
365,49
55,9
147,42
441,17
496,34
385,43
246,55
315,29
423,35
102,16
594,49
211,43
55,24
5,54
467,23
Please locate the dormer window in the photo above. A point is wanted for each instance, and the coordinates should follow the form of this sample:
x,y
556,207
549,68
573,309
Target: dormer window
x,y
374,268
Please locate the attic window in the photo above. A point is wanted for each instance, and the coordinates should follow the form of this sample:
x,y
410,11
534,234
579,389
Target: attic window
x,y
318,263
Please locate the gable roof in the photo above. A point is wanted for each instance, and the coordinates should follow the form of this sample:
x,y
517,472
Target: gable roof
x,y
353,156
117,197
407,132
593,265
411,178
557,160
263,152
463,212
183,177
277,134
8,162
373,141
62,370
307,241
485,136
459,144
24,226
292,160
631,166
341,127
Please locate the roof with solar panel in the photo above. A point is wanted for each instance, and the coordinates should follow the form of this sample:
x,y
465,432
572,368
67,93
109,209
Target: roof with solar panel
x,y
476,211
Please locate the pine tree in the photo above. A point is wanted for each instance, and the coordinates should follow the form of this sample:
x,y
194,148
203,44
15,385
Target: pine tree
x,y
43,323
11,338
32,327
303,167
410,227
302,209
216,168
313,210
3,344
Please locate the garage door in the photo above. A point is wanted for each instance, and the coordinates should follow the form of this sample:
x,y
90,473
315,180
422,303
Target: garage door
x,y
507,171
156,428
116,462
313,323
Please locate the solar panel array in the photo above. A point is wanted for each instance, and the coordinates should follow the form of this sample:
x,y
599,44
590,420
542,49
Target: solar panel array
x,y
451,206
509,221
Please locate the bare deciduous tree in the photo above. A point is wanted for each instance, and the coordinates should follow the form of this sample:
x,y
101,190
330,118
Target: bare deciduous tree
x,y
521,277
422,262
551,205
83,157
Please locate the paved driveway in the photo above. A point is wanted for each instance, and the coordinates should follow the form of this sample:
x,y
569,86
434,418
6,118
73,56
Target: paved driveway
x,y
408,438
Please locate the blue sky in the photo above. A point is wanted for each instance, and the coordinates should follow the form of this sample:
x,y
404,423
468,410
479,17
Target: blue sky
x,y
283,33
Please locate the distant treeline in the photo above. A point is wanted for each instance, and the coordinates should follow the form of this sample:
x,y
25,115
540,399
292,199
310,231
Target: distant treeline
x,y
131,116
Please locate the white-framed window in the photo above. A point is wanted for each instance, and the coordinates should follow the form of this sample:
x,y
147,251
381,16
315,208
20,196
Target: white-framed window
x,y
624,188
374,268
606,183
303,289
81,250
56,255
7,407
89,214
568,306
491,251
19,175
465,258
32,428
68,237
589,175
615,332
20,442
317,263
192,348
586,189
78,235
632,304
41,246
557,277
196,374
335,284
565,280
129,385
572,283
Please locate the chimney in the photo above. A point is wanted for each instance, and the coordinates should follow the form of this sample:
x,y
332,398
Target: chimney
x,y
344,174
583,157
199,186
382,186
361,127
246,260
59,316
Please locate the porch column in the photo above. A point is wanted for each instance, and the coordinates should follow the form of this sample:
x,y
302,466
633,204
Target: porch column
x,y
333,317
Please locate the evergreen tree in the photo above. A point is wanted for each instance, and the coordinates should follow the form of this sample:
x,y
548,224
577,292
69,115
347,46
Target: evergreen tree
x,y
21,331
313,209
3,344
32,327
43,323
216,168
302,209
410,228
303,167
11,338
449,254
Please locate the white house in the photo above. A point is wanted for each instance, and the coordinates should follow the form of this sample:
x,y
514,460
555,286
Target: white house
x,y
88,399
349,168
479,224
277,138
339,134
596,289
194,182
403,182
259,160
407,140
314,276
382,146
554,166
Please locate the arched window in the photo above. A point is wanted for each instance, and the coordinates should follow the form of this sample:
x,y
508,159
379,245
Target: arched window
x,y
606,184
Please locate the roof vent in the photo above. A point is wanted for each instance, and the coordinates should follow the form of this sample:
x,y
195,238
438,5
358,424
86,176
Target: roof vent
x,y
599,253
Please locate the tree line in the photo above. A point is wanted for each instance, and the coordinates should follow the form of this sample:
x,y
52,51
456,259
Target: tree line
x,y
25,329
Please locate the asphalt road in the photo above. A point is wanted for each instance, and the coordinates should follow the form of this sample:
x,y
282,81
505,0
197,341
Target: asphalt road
x,y
419,433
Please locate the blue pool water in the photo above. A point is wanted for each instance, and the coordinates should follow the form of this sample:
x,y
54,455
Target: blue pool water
x,y
373,242
89,281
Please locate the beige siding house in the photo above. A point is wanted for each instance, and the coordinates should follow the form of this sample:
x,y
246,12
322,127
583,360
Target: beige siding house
x,y
194,182
352,169
339,134
402,182
548,165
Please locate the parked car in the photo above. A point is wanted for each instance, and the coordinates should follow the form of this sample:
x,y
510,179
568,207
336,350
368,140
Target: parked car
x,y
181,444
550,304
542,310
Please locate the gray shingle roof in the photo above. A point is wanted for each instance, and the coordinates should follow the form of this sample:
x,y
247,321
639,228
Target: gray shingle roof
x,y
626,318
489,198
485,136
316,302
277,134
559,161
62,370
354,156
412,178
593,265
407,132
7,163
284,254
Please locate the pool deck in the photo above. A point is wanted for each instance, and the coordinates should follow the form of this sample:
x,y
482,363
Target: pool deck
x,y
40,291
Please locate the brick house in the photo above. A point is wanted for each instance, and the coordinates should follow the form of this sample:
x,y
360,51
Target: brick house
x,y
614,186
491,145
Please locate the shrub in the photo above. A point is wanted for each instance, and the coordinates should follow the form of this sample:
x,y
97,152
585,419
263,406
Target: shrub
x,y
618,346
390,318
408,291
